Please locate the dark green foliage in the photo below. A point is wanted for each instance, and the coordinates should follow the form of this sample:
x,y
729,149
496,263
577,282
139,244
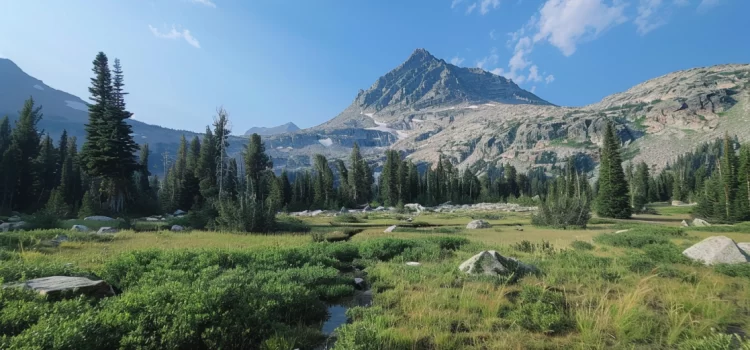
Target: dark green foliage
x,y
291,224
19,159
346,218
581,245
384,249
665,253
563,212
631,239
525,246
109,151
541,310
639,263
734,270
613,199
639,188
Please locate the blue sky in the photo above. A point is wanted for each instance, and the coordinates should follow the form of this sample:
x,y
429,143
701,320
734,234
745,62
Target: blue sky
x,y
269,62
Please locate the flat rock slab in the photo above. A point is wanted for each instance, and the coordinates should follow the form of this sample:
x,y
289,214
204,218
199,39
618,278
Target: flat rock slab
x,y
98,218
413,263
700,223
490,262
745,247
56,286
478,224
106,230
716,250
390,229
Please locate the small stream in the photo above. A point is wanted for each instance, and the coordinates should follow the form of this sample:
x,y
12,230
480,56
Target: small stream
x,y
338,317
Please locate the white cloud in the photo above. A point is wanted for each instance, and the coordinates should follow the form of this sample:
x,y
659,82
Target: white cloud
x,y
174,34
208,3
456,61
488,61
498,71
533,89
471,8
650,16
681,2
550,78
566,23
492,34
455,3
488,5
534,74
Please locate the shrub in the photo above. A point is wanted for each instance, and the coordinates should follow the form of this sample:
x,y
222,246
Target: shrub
x,y
346,218
630,239
449,243
563,212
291,224
665,253
581,245
528,247
541,310
639,263
42,220
716,341
485,216
733,270
384,249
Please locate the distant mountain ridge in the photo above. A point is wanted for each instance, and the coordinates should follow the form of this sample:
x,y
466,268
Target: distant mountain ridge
x,y
263,131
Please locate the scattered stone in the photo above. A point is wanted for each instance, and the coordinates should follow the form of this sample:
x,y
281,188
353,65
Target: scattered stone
x,y
14,218
106,230
179,212
316,213
519,228
359,283
409,219
390,229
56,286
177,228
623,231
366,209
478,224
677,203
152,219
414,207
413,263
343,210
12,226
380,208
684,224
716,250
5,227
98,218
79,228
700,223
492,263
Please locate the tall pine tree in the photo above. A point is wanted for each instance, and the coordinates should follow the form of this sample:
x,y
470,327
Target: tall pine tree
x,y
613,199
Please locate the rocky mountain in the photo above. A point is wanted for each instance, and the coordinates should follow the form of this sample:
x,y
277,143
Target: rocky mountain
x,y
428,108
262,131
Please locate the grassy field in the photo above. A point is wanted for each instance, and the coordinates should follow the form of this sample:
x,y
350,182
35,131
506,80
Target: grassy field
x,y
596,288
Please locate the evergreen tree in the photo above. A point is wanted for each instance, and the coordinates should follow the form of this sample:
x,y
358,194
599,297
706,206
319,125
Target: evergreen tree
x,y
109,151
743,182
62,154
286,189
357,176
70,178
613,199
323,191
221,138
389,180
728,168
45,174
23,151
640,187
7,167
206,170
257,163
343,195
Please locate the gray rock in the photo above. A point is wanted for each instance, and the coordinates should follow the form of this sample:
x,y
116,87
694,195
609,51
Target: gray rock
x,y
152,219
684,224
359,283
745,247
106,230
478,224
98,218
14,218
414,207
677,203
343,210
56,286
700,223
413,263
366,209
380,208
79,228
316,213
490,262
12,226
177,228
179,212
5,227
390,229
716,250
519,228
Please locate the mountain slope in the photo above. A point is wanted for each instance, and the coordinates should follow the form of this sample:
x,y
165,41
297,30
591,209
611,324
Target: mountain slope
x,y
288,127
428,108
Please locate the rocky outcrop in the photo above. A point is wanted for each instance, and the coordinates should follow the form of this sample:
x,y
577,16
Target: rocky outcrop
x,y
98,218
107,230
390,229
80,228
490,262
700,223
65,286
478,224
716,250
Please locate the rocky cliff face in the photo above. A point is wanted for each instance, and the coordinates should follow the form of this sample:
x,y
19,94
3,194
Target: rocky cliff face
x,y
428,108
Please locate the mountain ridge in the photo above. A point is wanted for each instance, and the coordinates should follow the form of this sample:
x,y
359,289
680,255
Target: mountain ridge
x,y
274,130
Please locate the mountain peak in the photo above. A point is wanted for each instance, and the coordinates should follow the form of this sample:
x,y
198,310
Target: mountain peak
x,y
420,56
281,129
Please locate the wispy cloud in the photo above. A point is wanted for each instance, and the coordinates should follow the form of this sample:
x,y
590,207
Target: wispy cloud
x,y
455,3
471,8
650,16
550,78
456,61
492,34
175,34
208,3
533,89
488,5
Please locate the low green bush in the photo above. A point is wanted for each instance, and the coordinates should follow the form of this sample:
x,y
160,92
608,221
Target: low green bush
x,y
665,253
291,224
528,247
384,249
346,218
485,216
581,245
630,239
734,270
639,263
